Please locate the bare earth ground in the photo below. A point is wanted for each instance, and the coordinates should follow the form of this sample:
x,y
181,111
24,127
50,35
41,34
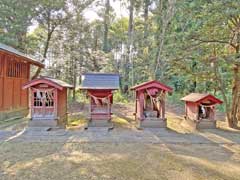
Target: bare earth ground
x,y
123,153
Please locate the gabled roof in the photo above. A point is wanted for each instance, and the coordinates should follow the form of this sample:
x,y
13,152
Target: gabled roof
x,y
18,53
47,80
100,81
199,97
150,84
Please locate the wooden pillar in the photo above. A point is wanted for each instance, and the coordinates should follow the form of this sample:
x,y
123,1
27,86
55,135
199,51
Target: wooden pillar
x,y
136,99
141,105
90,106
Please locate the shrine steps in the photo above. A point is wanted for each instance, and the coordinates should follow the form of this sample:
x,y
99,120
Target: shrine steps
x,y
42,123
153,123
203,124
100,123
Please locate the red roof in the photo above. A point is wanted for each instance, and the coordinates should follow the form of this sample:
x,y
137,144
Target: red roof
x,y
47,80
150,84
199,97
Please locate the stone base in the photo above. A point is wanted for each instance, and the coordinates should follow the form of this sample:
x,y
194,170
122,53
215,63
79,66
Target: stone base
x,y
100,123
203,124
20,113
42,123
206,124
153,123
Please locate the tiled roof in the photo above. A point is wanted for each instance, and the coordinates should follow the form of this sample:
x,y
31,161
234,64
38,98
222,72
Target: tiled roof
x,y
100,81
197,97
47,80
16,52
57,81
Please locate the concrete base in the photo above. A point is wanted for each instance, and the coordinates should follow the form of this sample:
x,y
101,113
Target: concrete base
x,y
100,123
42,123
153,123
20,113
203,124
206,124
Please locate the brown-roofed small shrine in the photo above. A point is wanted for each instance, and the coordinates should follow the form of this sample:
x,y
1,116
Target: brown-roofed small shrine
x,y
48,101
200,110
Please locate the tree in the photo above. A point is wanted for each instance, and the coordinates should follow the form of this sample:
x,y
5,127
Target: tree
x,y
15,21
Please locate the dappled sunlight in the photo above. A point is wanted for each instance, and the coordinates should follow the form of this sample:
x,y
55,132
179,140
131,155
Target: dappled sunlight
x,y
223,142
121,122
218,169
174,123
113,160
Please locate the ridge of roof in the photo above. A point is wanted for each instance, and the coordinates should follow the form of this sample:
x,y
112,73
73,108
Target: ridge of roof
x,y
167,88
196,97
17,52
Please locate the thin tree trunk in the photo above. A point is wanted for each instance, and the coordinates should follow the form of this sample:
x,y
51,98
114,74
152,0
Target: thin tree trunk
x,y
165,20
129,46
106,24
145,16
49,36
222,89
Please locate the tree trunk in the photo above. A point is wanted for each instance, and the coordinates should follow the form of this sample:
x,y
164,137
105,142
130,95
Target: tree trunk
x,y
44,53
129,46
106,23
145,16
165,21
233,121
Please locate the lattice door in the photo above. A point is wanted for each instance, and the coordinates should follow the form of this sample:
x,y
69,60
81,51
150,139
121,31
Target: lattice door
x,y
44,103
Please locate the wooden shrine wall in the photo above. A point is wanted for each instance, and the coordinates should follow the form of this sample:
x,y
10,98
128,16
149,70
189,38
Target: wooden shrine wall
x,y
14,72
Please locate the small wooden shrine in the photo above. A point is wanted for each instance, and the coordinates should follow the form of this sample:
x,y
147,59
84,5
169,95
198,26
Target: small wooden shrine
x,y
48,101
100,87
150,104
200,110
14,72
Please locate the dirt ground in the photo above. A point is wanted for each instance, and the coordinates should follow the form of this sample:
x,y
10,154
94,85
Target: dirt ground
x,y
124,153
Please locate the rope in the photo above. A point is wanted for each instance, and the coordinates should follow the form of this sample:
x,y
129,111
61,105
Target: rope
x,y
153,99
103,99
211,106
45,92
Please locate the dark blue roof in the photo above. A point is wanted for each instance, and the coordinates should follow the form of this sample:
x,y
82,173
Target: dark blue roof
x,y
100,81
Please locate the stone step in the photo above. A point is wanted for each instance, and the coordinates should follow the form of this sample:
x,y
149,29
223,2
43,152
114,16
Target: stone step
x,y
150,113
153,119
206,125
203,124
42,123
153,124
100,123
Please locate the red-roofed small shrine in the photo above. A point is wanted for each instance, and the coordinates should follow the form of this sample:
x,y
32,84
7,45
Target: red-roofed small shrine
x,y
200,110
150,103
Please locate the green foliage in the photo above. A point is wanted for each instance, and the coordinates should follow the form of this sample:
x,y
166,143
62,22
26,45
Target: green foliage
x,y
120,98
172,41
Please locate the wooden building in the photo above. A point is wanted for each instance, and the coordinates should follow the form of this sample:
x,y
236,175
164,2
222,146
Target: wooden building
x,y
200,110
150,104
14,72
100,87
48,101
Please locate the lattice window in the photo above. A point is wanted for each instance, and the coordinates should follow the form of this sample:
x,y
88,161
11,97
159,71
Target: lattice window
x,y
16,69
43,98
38,99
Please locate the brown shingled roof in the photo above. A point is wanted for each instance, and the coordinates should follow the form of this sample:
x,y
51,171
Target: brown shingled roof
x,y
18,53
198,97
